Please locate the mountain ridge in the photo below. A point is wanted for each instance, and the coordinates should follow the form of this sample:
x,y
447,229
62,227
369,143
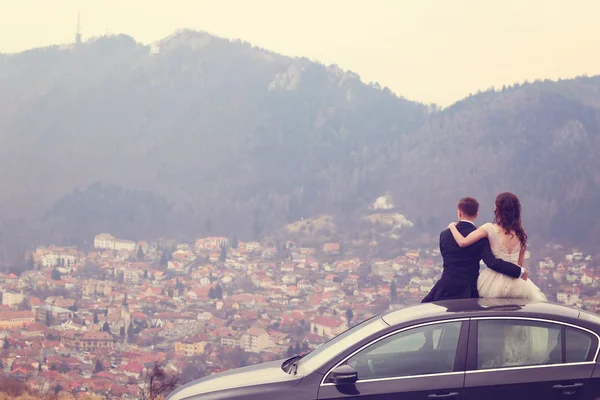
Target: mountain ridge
x,y
219,134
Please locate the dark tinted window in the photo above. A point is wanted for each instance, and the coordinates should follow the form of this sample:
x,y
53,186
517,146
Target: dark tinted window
x,y
579,345
419,351
514,343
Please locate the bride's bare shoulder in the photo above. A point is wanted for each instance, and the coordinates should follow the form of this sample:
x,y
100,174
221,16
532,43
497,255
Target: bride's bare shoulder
x,y
488,225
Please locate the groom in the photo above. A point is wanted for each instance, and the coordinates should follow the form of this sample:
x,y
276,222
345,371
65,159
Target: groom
x,y
461,265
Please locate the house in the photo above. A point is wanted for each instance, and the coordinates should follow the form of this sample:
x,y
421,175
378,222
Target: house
x,y
12,299
328,326
211,243
231,340
205,281
107,241
255,340
14,319
87,340
332,248
52,314
289,279
193,346
569,295
131,276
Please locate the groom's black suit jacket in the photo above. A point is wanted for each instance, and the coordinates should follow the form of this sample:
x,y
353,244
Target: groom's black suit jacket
x,y
461,266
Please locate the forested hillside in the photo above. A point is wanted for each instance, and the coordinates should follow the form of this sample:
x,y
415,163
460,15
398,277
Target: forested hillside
x,y
201,135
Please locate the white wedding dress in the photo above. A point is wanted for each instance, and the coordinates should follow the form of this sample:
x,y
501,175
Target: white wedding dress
x,y
495,284
523,345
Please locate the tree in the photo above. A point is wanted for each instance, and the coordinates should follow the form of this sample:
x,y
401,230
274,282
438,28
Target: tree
x,y
6,345
131,332
98,367
29,261
157,383
349,315
304,346
393,292
164,259
121,277
256,228
95,317
419,224
211,293
122,331
297,349
125,300
55,275
290,351
106,327
223,255
234,242
219,292
140,253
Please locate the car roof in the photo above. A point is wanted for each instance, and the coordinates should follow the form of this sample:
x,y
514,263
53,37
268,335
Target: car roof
x,y
467,308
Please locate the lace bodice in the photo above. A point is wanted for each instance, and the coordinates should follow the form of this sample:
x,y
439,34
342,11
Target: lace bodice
x,y
504,247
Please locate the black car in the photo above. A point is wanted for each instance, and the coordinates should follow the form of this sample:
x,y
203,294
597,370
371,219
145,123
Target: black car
x,y
459,349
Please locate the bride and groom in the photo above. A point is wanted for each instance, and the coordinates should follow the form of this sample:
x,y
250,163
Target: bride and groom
x,y
501,245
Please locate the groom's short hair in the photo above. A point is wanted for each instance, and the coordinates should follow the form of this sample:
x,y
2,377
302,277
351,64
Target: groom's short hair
x,y
468,206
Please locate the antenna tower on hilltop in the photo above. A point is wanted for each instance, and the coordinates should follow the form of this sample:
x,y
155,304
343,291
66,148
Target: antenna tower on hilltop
x,y
78,33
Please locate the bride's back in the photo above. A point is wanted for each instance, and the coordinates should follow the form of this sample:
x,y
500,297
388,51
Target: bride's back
x,y
505,246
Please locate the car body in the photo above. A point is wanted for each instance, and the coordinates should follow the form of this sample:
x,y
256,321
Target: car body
x,y
453,349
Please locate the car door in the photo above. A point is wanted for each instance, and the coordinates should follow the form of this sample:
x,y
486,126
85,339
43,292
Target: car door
x,y
526,358
417,363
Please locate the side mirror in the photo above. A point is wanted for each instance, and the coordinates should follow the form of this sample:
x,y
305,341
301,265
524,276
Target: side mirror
x,y
344,375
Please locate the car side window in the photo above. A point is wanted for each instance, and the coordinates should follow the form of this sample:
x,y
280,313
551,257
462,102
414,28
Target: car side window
x,y
579,345
516,343
425,350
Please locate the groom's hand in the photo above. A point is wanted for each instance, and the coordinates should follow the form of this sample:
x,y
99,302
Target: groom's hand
x,y
525,274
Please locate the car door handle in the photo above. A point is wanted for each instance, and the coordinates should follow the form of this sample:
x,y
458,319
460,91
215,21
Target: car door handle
x,y
572,386
443,396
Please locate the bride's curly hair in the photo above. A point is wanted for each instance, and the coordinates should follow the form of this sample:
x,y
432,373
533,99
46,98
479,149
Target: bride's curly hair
x,y
508,215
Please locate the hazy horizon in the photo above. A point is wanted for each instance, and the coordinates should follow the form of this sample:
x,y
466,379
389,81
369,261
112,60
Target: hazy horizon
x,y
433,52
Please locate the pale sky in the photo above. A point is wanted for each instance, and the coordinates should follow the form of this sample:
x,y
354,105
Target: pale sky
x,y
427,50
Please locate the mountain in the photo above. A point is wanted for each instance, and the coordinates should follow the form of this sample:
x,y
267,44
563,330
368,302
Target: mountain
x,y
539,140
218,136
201,135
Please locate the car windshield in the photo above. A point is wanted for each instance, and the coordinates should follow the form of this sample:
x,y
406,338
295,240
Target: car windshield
x,y
335,346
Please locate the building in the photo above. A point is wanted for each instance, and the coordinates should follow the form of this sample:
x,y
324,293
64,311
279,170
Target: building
x,y
328,326
211,243
331,248
255,340
131,276
191,347
52,315
57,259
87,340
12,299
231,340
15,319
107,241
383,203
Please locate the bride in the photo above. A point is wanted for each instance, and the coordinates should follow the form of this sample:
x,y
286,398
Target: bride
x,y
523,344
508,242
